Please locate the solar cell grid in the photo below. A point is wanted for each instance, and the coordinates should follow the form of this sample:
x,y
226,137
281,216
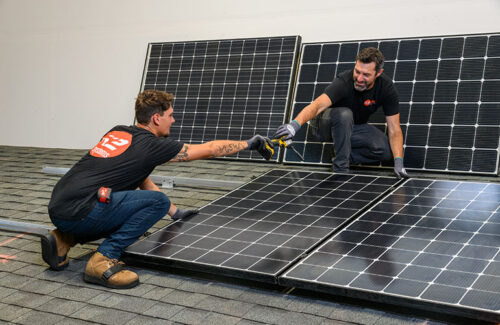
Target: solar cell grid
x,y
429,241
224,89
449,103
259,229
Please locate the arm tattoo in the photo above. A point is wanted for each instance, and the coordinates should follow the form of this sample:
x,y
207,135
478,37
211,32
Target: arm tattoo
x,y
229,149
182,155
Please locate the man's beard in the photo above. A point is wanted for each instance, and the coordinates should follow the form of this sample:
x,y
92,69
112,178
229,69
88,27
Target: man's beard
x,y
360,88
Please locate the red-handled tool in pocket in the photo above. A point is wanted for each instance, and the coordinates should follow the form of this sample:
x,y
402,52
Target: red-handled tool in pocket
x,y
104,194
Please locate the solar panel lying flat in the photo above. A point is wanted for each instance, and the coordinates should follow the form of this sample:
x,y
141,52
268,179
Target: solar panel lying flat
x,y
224,89
430,244
449,98
260,229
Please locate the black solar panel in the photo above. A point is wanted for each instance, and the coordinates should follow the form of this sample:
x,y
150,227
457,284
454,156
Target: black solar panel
x,y
224,89
429,244
258,230
449,98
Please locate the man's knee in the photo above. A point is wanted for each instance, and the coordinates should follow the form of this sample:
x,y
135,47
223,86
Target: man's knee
x,y
162,202
381,148
342,115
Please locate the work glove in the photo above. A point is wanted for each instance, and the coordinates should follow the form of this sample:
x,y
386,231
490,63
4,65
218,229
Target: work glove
x,y
181,214
399,168
287,130
262,144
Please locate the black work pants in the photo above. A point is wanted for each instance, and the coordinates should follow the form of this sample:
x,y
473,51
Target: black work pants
x,y
354,143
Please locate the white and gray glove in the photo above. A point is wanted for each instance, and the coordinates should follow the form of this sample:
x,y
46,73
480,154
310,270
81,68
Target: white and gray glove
x,y
287,130
399,168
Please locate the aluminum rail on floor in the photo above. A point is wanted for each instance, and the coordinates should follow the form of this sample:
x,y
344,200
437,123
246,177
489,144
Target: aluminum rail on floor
x,y
167,181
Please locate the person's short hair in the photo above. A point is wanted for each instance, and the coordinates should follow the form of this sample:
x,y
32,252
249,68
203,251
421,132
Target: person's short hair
x,y
150,102
371,54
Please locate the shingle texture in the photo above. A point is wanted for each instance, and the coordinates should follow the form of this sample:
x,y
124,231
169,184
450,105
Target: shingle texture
x,y
30,293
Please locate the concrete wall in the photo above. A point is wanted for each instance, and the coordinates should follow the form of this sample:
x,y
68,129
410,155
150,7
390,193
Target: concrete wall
x,y
70,70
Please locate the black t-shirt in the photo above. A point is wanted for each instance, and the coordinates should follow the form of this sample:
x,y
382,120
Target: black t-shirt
x,y
383,93
122,160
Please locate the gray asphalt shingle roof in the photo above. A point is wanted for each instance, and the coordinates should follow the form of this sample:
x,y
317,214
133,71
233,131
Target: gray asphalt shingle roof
x,y
30,293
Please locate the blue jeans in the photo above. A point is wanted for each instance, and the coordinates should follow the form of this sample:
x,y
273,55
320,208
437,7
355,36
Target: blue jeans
x,y
127,216
356,143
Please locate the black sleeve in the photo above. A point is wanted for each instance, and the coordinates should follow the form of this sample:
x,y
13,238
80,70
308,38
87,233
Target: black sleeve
x,y
391,101
162,150
337,90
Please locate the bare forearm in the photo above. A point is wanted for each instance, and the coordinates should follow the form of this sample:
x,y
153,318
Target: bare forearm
x,y
149,185
172,210
312,110
396,142
210,149
226,147
308,113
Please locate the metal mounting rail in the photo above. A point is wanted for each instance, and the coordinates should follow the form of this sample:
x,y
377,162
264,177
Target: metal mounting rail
x,y
32,229
23,227
167,181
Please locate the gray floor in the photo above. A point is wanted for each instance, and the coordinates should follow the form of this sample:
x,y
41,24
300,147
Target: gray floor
x,y
30,293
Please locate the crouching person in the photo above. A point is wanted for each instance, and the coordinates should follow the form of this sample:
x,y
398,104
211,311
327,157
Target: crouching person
x,y
98,197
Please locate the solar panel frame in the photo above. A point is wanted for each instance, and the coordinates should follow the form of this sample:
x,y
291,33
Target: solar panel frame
x,y
228,89
265,223
428,244
424,80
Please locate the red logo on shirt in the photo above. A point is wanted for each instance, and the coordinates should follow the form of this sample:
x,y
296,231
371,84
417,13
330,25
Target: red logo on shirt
x,y
112,144
369,102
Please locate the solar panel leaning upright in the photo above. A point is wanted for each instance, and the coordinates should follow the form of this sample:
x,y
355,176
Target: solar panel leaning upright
x,y
449,98
225,89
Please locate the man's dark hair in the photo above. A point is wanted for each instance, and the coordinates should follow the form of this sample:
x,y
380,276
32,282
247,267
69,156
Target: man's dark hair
x,y
371,54
150,102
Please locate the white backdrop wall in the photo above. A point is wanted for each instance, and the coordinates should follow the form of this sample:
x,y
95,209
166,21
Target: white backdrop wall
x,y
70,70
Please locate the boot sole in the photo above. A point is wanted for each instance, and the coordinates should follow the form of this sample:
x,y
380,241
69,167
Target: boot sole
x,y
49,253
90,279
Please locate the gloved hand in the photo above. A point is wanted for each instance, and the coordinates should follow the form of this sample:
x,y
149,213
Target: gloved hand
x,y
181,214
258,142
399,168
287,130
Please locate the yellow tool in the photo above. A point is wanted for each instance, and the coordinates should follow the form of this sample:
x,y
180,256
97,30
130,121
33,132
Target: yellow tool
x,y
285,144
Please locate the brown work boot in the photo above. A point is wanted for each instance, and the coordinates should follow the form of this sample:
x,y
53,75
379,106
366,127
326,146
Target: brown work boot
x,y
55,248
109,273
